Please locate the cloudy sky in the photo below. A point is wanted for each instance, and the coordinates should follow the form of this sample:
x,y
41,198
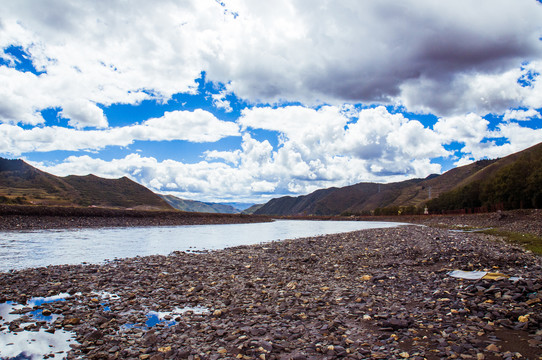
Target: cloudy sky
x,y
239,100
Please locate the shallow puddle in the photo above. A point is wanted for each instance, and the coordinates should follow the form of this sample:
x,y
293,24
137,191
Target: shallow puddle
x,y
166,317
28,344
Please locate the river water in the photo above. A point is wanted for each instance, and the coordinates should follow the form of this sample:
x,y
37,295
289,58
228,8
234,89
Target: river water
x,y
23,249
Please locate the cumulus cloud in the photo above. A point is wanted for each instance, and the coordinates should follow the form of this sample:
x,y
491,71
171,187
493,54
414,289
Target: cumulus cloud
x,y
479,142
377,51
457,60
326,147
196,126
479,93
417,53
521,115
106,53
84,114
229,156
220,102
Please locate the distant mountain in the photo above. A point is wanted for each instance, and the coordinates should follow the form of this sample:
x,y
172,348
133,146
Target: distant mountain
x,y
239,205
251,210
22,183
363,198
198,206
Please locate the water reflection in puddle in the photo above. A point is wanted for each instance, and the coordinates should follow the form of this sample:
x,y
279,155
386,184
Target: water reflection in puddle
x,y
36,344
105,296
166,317
32,344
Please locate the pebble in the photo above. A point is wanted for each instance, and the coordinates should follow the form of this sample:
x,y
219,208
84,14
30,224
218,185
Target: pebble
x,y
380,294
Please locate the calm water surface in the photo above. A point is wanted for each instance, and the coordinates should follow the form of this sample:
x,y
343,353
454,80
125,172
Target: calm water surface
x,y
23,249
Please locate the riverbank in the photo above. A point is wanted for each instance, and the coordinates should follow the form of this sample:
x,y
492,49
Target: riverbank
x,y
381,294
521,221
19,217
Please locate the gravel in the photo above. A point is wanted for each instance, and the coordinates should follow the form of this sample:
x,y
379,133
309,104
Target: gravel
x,y
371,294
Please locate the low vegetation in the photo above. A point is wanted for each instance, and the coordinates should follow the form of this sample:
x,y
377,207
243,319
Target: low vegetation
x,y
17,200
528,241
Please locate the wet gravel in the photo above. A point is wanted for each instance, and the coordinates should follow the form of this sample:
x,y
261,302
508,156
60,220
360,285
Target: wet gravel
x,y
371,294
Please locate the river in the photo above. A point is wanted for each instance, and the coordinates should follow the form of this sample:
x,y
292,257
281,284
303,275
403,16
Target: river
x,y
24,249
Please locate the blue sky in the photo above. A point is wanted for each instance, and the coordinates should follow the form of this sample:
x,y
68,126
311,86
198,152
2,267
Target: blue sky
x,y
243,101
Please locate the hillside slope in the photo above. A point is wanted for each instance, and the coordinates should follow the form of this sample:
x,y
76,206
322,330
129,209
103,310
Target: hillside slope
x,y
23,184
365,197
198,206
513,182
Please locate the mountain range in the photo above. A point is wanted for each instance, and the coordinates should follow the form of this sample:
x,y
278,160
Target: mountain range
x,y
514,181
412,195
199,206
21,183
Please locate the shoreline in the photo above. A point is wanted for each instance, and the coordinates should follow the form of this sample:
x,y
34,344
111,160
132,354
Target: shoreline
x,y
21,217
17,217
380,293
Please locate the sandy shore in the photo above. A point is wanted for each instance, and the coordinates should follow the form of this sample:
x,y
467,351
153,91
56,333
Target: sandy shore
x,y
372,294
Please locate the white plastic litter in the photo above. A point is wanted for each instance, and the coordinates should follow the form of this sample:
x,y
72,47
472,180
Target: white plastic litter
x,y
469,275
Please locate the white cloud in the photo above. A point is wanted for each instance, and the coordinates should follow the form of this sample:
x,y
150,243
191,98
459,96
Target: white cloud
x,y
458,60
416,53
519,138
229,156
521,115
478,93
479,142
469,129
377,51
196,126
322,151
84,114
262,187
370,145
219,101
107,53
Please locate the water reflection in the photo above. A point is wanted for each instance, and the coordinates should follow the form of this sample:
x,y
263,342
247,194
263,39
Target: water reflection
x,y
36,344
31,344
167,317
41,248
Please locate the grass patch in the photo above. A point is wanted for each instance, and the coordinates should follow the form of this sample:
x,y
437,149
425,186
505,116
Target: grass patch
x,y
528,241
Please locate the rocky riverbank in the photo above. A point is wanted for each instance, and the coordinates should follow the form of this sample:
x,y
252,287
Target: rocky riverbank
x,y
372,294
13,217
521,221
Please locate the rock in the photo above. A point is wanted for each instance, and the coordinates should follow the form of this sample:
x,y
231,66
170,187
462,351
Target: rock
x,y
396,324
71,321
150,340
285,307
492,347
94,335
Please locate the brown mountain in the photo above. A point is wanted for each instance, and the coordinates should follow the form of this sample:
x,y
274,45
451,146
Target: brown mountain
x,y
21,183
365,197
